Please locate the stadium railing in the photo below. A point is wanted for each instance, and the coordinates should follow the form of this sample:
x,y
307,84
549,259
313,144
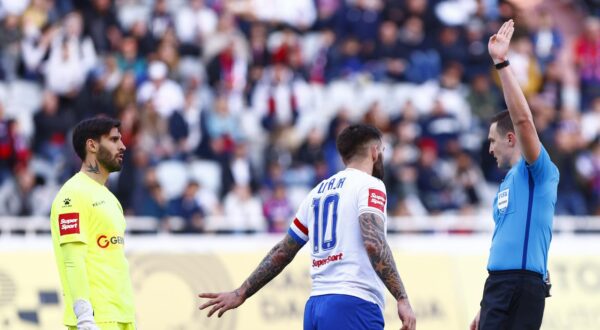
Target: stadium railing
x,y
443,224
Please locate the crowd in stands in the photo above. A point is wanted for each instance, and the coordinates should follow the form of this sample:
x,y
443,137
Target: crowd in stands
x,y
230,108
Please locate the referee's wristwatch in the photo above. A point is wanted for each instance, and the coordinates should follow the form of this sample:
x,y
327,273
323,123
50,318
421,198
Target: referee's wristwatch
x,y
502,64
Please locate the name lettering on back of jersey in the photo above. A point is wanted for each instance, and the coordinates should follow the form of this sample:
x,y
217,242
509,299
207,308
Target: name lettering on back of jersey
x,y
68,223
377,199
503,199
320,262
331,185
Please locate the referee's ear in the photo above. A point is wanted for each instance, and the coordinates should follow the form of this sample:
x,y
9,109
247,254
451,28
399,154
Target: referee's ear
x,y
512,139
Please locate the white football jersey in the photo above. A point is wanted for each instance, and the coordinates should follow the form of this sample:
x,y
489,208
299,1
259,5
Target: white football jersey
x,y
328,218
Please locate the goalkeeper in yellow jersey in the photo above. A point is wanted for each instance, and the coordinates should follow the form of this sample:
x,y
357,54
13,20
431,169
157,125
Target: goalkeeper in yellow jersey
x,y
88,229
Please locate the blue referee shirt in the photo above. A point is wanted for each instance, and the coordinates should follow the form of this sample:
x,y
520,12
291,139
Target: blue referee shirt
x,y
523,213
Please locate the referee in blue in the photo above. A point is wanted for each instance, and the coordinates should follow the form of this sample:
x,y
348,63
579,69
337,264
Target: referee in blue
x,y
515,291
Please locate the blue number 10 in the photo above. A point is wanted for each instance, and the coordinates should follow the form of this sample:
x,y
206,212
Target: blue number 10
x,y
326,219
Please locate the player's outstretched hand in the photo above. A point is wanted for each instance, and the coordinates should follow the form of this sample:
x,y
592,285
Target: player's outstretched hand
x,y
222,302
499,42
407,316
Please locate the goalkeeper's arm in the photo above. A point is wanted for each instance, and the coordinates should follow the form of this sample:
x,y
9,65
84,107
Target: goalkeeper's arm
x,y
77,280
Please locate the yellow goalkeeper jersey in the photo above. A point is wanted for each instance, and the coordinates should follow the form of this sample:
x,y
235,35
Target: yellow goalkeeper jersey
x,y
86,211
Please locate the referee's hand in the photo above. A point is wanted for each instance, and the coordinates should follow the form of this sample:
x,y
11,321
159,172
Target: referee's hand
x,y
222,302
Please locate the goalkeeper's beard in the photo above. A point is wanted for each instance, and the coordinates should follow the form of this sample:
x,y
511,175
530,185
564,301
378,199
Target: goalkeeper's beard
x,y
108,161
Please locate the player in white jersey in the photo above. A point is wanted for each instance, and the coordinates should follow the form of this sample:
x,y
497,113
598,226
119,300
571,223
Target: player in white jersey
x,y
344,219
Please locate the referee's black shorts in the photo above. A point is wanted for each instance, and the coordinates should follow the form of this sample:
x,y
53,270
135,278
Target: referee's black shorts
x,y
512,300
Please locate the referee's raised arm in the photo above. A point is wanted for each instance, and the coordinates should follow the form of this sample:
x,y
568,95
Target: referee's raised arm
x,y
518,108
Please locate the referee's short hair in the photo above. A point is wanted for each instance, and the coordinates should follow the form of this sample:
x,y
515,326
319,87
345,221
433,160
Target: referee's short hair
x,y
505,124
354,139
91,128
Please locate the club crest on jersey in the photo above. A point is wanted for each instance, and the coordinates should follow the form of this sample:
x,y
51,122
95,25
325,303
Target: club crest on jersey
x,y
68,223
377,199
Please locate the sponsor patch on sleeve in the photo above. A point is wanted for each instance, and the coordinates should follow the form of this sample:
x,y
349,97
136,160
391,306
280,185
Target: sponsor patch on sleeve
x,y
377,199
68,223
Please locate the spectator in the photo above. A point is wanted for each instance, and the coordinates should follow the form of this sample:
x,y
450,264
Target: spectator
x,y
186,207
10,34
51,126
587,60
278,210
478,61
129,59
390,53
433,180
468,183
362,21
151,201
482,100
243,212
160,20
588,167
443,129
424,60
72,57
102,26
311,150
195,23
164,94
551,91
590,122
24,195
451,46
239,171
125,94
547,40
13,148
567,143
35,46
223,127
95,98
280,98
525,66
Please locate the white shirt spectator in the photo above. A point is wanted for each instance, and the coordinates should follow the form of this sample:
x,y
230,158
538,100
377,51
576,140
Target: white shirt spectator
x,y
590,124
195,24
69,63
13,7
284,94
165,94
243,211
299,13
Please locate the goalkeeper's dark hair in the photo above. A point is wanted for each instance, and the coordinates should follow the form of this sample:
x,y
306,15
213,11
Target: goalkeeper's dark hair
x,y
92,128
354,140
505,124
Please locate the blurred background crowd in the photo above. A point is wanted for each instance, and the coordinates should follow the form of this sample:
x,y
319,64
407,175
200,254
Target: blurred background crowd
x,y
230,108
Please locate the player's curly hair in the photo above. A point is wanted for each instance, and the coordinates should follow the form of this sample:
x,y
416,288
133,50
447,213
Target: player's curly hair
x,y
354,139
91,128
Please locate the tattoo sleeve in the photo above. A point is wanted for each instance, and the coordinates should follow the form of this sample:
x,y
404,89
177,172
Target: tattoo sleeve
x,y
382,260
93,168
275,261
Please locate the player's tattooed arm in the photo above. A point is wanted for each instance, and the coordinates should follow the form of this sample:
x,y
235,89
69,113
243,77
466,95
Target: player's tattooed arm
x,y
382,260
93,168
275,261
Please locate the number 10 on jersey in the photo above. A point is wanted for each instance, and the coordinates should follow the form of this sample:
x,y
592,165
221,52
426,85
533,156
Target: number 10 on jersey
x,y
325,224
